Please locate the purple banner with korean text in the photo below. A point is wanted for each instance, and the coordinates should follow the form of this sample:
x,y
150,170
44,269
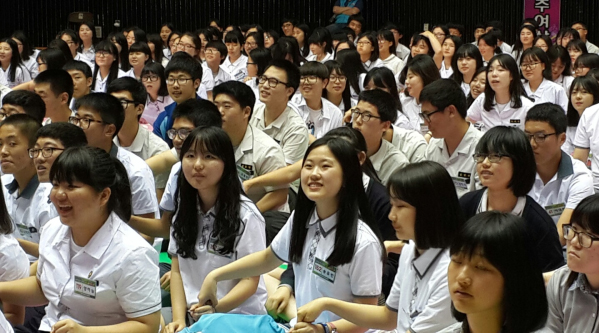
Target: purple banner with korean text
x,y
546,13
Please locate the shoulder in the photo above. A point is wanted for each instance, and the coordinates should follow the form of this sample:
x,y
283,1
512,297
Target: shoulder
x,y
249,213
263,140
471,199
365,237
134,164
533,212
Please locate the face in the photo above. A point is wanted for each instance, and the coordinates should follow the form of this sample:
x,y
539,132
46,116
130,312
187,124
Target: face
x,y
581,70
76,202
542,45
317,49
532,68
14,155
455,32
475,286
549,149
414,84
478,84
299,35
250,44
152,49
9,110
152,83
526,37
448,48
178,124
557,68
566,39
104,58
202,169
138,59
355,26
485,49
213,56
269,41
478,32
437,120
337,83
72,45
574,54
581,30
186,44
580,259
164,33
233,49
85,33
132,110
365,46
384,45
235,119
130,38
280,93
287,28
5,52
42,66
252,68
97,134
499,77
179,91
175,45
373,129
119,48
204,40
466,64
19,45
495,176
419,48
42,163
581,99
173,40
311,87
342,46
403,218
439,33
52,101
321,176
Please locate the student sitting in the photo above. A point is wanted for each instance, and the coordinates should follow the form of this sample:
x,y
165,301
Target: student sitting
x,y
55,87
216,53
536,70
22,101
153,78
82,79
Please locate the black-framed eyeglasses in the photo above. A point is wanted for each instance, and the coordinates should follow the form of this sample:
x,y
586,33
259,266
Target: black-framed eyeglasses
x,y
210,51
103,53
46,152
427,116
309,79
83,122
538,137
529,66
181,81
584,239
182,133
365,115
150,78
272,82
340,78
493,158
125,102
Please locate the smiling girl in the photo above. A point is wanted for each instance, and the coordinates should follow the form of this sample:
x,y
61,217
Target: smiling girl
x,y
12,70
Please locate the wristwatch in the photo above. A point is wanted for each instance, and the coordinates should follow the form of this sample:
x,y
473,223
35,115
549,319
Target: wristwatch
x,y
333,327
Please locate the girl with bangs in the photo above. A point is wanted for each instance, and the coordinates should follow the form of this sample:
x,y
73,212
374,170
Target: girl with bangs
x,y
337,91
561,71
321,46
493,281
576,48
488,46
387,47
525,41
119,40
420,72
465,64
106,67
153,78
420,44
444,58
584,63
12,70
536,71
368,48
353,69
477,85
214,224
585,93
139,56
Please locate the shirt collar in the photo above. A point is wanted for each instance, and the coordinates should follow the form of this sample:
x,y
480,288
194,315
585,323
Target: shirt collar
x,y
583,284
280,121
425,261
518,209
29,190
565,167
378,157
140,138
114,149
326,226
466,143
247,143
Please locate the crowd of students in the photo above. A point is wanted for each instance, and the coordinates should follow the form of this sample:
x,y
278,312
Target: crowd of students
x,y
324,180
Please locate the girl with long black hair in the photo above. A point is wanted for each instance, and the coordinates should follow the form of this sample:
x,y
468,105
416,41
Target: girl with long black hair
x,y
12,71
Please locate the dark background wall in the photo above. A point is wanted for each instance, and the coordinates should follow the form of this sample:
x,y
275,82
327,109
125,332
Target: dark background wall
x,y
42,19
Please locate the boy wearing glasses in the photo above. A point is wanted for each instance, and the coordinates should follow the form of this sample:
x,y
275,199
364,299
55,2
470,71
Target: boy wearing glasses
x,y
55,87
453,139
561,182
133,137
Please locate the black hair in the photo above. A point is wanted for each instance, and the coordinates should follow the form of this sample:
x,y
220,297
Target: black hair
x,y
71,33
218,23
387,35
335,66
384,103
76,65
544,38
306,31
121,40
513,143
590,60
140,35
352,207
374,55
200,112
494,25
288,19
258,38
261,57
227,223
469,98
15,60
220,47
490,38
208,34
352,67
531,21
273,34
502,240
53,58
28,48
383,77
234,36
31,103
314,68
239,91
443,93
537,54
577,44
158,46
141,47
556,52
62,46
171,35
108,107
291,71
358,18
465,51
423,66
132,86
393,26
195,39
157,69
442,27
321,37
183,62
457,43
587,83
60,81
26,124
349,31
516,88
169,25
416,39
91,27
288,46
567,31
586,212
549,113
518,46
459,27
428,187
350,46
68,134
107,46
96,168
357,140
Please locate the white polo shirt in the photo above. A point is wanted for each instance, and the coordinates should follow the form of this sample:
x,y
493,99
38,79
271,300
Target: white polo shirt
x,y
254,85
14,264
410,143
445,72
566,189
4,324
565,82
592,48
499,115
17,206
465,88
144,198
145,145
388,159
412,110
80,57
568,146
218,78
251,238
314,278
403,121
288,130
237,70
548,92
460,165
587,137
393,63
402,51
31,65
327,57
21,76
368,65
101,84
207,79
420,294
167,203
112,278
319,122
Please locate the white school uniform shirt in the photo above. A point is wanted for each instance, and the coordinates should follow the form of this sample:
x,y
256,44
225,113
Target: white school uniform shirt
x,y
568,146
460,165
207,79
412,110
394,63
254,85
420,294
314,279
368,65
17,205
143,192
505,48
388,159
122,266
154,108
4,324
167,202
465,88
202,91
592,48
251,238
89,54
356,94
444,71
237,70
352,101
3,91
572,183
80,57
402,51
21,76
548,92
403,121
508,116
220,77
328,56
319,122
101,84
14,264
288,130
167,53
587,137
565,82
31,65
410,143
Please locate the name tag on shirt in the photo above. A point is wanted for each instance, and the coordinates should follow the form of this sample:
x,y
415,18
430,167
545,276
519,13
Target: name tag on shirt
x,y
514,121
85,287
25,231
460,183
245,172
555,210
239,76
323,270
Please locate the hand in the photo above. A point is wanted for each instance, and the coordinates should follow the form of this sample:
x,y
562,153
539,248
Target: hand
x,y
347,115
277,303
306,328
165,281
196,311
428,34
207,293
309,312
174,327
68,326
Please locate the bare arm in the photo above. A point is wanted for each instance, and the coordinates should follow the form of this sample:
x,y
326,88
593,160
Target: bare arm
x,y
162,162
29,85
272,200
144,324
15,314
31,248
178,300
278,177
151,226
239,294
581,154
25,292
434,41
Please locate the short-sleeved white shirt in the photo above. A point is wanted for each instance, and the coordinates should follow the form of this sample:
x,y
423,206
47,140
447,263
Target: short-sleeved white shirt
x,y
4,89
167,202
394,64
237,70
21,76
14,264
80,57
388,159
509,116
548,92
288,130
17,206
369,65
89,55
360,278
4,325
327,57
412,110
568,146
403,121
445,72
410,143
220,77
566,189
251,238
460,165
31,65
565,82
207,79
465,88
40,211
330,116
101,84
587,137
123,266
422,279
